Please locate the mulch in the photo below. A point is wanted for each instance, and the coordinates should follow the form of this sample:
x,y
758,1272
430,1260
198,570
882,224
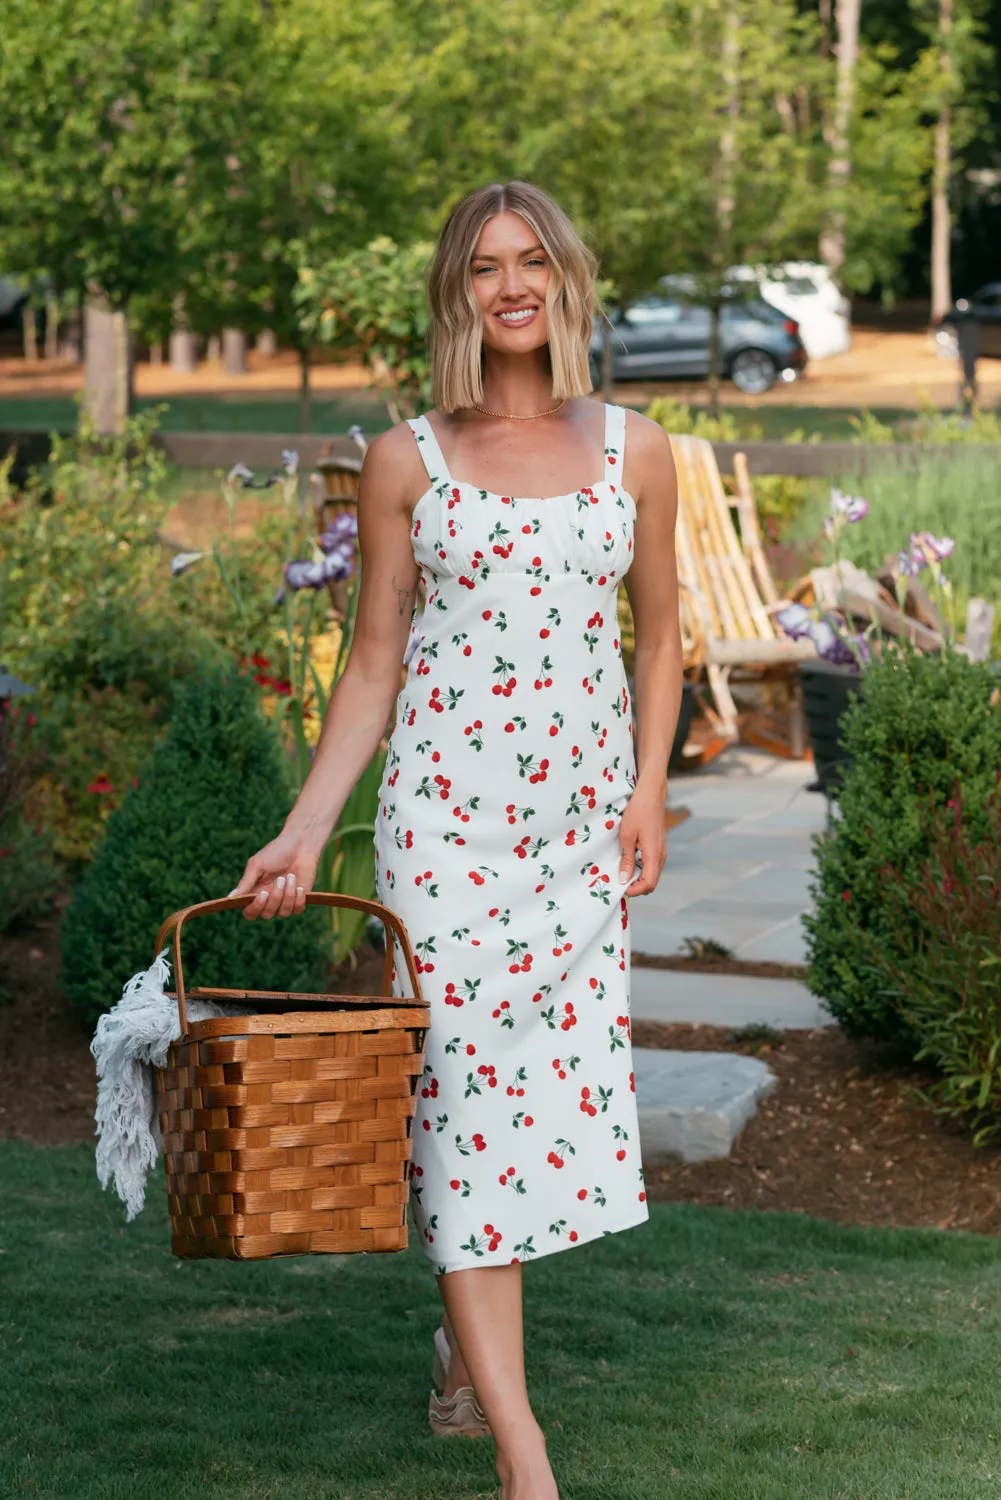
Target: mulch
x,y
842,1136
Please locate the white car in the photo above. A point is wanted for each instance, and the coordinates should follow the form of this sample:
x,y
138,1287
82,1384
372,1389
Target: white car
x,y
805,291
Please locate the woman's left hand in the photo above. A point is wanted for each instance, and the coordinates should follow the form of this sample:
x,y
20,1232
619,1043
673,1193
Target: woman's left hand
x,y
642,832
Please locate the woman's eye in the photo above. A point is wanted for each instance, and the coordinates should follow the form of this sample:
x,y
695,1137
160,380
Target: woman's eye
x,y
482,270
536,261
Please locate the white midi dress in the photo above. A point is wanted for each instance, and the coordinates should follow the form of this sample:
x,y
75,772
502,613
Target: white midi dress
x,y
508,769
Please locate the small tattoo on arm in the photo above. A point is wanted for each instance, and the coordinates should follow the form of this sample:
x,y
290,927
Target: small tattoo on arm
x,y
405,597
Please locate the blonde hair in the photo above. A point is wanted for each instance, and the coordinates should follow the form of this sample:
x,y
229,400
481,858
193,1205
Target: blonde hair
x,y
456,331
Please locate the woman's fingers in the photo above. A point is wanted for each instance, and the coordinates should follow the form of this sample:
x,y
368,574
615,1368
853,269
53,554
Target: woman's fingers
x,y
652,853
627,864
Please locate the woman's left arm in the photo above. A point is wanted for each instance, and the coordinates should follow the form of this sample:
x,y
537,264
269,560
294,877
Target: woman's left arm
x,y
652,587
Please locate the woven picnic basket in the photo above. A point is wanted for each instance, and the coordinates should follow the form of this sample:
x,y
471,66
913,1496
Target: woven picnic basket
x,y
286,1131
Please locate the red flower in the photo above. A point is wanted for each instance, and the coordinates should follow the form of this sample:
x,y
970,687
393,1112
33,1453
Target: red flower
x,y
100,786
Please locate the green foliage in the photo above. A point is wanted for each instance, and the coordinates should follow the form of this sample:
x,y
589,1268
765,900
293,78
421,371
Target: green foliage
x,y
216,788
953,493
943,972
88,618
27,870
375,300
924,725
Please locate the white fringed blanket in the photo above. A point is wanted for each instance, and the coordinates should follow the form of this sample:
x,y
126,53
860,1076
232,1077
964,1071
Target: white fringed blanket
x,y
129,1041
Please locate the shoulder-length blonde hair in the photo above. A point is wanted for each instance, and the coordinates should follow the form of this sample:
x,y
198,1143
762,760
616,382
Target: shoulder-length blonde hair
x,y
456,332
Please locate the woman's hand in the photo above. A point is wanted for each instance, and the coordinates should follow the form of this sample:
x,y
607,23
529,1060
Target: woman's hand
x,y
281,873
642,831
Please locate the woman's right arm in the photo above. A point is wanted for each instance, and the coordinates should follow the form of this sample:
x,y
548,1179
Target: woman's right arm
x,y
283,871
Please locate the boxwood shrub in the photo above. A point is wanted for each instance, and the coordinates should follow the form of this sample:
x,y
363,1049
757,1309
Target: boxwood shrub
x,y
216,788
925,726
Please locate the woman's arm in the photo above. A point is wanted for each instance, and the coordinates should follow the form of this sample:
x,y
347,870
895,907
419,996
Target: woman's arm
x,y
652,586
284,870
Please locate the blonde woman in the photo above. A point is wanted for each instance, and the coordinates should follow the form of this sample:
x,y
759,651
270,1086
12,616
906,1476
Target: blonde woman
x,y
516,813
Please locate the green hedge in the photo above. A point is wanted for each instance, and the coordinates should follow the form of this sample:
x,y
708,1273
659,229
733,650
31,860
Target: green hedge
x,y
925,726
216,788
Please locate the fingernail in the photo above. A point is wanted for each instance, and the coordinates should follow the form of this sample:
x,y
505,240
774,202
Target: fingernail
x,y
280,883
623,877
291,877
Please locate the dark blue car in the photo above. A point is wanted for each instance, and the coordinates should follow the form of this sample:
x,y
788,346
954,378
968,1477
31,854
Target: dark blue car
x,y
663,336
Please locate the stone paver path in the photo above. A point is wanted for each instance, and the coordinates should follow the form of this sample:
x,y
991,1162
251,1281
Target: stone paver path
x,y
737,871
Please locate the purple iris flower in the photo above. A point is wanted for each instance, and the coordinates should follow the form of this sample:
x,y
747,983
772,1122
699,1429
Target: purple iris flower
x,y
932,548
337,545
909,563
849,508
797,621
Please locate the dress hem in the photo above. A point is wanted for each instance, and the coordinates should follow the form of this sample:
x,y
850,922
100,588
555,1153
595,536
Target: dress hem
x,y
479,1262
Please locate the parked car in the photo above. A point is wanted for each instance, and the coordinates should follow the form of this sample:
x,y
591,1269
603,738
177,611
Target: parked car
x,y
985,306
663,336
806,292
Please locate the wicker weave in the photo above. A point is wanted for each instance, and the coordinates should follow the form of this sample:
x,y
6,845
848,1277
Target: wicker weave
x,y
289,1133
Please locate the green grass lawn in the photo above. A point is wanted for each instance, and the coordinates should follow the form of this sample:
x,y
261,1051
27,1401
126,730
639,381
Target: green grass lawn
x,y
737,1357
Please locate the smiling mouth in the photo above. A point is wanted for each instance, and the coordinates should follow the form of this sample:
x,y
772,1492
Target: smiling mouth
x,y
517,316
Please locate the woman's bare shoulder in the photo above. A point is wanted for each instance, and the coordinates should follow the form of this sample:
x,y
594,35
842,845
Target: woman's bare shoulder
x,y
647,438
393,465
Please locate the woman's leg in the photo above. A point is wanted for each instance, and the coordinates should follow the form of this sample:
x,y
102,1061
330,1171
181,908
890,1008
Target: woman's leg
x,y
484,1310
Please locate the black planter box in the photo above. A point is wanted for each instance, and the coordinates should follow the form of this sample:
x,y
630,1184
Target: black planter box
x,y
827,691
684,723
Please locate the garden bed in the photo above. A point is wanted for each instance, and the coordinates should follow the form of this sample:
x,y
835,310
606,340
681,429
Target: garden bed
x,y
838,1139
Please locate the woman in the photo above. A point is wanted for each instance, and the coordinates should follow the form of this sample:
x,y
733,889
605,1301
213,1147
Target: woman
x,y
513,813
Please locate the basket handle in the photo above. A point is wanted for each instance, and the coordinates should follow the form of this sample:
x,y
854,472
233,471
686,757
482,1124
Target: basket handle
x,y
388,918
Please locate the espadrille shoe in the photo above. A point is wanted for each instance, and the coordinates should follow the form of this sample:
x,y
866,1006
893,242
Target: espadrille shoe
x,y
460,1415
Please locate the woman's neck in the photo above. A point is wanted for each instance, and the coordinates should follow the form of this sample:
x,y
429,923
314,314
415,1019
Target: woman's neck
x,y
521,384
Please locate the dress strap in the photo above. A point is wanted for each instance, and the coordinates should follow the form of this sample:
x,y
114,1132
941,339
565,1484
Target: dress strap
x,y
434,459
615,443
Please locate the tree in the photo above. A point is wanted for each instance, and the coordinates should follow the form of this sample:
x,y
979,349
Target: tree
x,y
839,166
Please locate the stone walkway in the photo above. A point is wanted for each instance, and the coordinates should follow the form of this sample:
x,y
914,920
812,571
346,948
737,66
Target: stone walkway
x,y
737,870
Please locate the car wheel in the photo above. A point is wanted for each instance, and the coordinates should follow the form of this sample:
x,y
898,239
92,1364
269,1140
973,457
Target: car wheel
x,y
753,371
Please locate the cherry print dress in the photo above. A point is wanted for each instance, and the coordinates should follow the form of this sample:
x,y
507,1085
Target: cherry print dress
x,y
497,844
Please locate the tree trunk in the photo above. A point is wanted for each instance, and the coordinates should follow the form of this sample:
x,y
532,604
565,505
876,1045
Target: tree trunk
x,y
183,352
107,392
213,349
941,219
304,392
70,348
267,344
234,352
839,167
29,332
156,352
183,344
607,363
714,313
51,327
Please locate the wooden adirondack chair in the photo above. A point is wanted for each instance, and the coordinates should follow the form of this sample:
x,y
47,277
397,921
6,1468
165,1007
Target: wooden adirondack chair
x,y
728,595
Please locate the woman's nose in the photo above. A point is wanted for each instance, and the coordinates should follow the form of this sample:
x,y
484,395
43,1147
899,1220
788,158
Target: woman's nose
x,y
512,283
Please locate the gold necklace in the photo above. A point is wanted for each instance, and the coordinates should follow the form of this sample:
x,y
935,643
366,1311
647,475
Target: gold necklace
x,y
514,416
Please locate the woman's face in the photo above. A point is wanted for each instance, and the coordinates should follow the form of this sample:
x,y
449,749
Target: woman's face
x,y
510,273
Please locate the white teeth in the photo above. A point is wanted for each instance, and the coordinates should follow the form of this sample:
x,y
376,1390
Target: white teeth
x,y
517,317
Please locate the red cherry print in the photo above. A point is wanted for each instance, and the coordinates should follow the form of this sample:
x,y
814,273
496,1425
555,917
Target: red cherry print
x,y
455,1184
572,1236
528,1118
620,1156
582,1194
642,1197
